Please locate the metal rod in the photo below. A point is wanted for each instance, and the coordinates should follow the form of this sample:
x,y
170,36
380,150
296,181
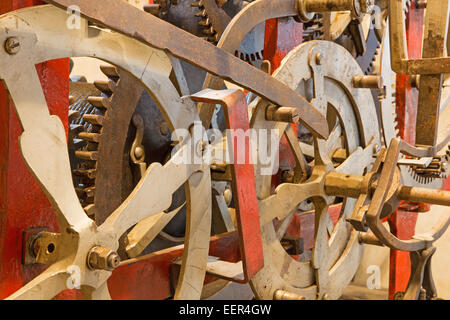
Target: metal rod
x,y
439,197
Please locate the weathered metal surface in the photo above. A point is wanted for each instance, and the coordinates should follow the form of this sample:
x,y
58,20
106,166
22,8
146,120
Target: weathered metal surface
x,y
400,60
315,276
109,181
243,179
431,66
130,21
219,18
79,233
252,15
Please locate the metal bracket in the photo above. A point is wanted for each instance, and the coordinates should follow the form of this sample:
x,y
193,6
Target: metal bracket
x,y
243,182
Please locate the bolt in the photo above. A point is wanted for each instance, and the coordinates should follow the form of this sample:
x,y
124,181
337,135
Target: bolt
x,y
12,45
113,260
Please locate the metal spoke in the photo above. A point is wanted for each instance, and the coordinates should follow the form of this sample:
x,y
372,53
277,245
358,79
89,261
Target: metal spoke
x,y
43,143
147,230
45,286
153,193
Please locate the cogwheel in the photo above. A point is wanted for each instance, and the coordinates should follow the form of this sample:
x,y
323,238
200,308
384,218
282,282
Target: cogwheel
x,y
78,107
98,116
211,34
214,17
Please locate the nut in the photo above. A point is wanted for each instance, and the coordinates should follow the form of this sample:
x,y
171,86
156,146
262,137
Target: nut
x,y
102,259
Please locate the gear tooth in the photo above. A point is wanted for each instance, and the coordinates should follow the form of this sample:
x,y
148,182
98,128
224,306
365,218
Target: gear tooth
x,y
214,39
90,210
153,9
87,155
210,31
89,136
93,119
89,192
73,115
107,87
110,71
220,3
87,173
99,102
204,22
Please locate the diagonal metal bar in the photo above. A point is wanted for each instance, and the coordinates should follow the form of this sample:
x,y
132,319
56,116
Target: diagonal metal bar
x,y
128,20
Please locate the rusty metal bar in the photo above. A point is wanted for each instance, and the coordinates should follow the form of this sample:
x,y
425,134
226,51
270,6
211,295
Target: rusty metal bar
x,y
128,20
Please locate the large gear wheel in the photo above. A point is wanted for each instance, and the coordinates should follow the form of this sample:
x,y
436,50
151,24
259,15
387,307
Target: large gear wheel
x,y
309,69
81,243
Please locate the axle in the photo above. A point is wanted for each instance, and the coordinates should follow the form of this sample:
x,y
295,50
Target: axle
x,y
348,185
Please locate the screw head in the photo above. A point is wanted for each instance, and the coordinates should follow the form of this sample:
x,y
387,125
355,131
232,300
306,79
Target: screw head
x,y
12,45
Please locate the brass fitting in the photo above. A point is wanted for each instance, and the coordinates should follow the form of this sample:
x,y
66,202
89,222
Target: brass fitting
x,y
368,82
307,8
286,295
102,258
282,114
